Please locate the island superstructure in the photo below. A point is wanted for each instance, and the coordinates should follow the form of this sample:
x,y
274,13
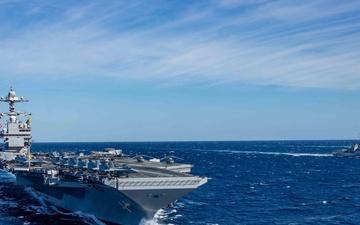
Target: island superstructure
x,y
17,135
107,184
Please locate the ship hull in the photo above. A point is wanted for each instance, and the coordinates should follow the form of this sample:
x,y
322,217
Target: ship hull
x,y
346,154
104,202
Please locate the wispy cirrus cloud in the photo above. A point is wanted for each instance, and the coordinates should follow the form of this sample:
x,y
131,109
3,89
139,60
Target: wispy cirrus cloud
x,y
286,43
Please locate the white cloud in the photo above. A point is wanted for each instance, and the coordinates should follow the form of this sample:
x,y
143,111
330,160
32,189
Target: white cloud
x,y
289,43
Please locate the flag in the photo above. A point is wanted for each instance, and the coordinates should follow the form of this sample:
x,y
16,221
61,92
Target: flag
x,y
28,120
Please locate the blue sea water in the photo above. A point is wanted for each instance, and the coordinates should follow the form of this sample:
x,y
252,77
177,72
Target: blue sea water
x,y
250,182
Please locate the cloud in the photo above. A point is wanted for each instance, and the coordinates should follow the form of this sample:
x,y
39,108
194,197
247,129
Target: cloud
x,y
286,43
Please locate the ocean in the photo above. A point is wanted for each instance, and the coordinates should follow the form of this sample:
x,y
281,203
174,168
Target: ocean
x,y
250,182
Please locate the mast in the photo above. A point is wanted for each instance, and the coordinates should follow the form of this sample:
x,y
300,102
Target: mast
x,y
17,134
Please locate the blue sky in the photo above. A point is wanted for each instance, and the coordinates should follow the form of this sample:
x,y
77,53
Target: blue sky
x,y
184,70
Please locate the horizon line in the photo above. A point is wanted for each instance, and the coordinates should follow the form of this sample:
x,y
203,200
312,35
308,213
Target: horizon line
x,y
42,142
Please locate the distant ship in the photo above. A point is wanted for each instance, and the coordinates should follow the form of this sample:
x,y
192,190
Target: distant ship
x,y
351,152
107,184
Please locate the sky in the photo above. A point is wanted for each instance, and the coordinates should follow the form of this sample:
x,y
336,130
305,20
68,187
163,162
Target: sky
x,y
166,70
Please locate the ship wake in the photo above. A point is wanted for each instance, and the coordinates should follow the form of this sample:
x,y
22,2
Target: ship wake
x,y
162,217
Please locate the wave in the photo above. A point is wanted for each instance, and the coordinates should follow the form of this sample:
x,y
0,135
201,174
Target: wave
x,y
163,216
30,191
351,186
159,215
148,222
272,153
88,218
6,177
287,153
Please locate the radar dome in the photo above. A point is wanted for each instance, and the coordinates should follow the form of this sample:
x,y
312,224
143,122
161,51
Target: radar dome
x,y
12,94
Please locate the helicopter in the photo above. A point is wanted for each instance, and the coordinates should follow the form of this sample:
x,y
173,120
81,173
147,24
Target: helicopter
x,y
140,157
169,159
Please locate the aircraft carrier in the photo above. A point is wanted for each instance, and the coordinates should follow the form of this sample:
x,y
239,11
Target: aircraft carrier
x,y
113,187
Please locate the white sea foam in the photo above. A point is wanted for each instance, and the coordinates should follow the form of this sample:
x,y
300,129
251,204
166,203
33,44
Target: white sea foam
x,y
309,154
270,153
291,154
286,153
148,222
153,221
162,214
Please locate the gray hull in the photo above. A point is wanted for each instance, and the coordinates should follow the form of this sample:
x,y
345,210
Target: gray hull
x,y
346,154
105,203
